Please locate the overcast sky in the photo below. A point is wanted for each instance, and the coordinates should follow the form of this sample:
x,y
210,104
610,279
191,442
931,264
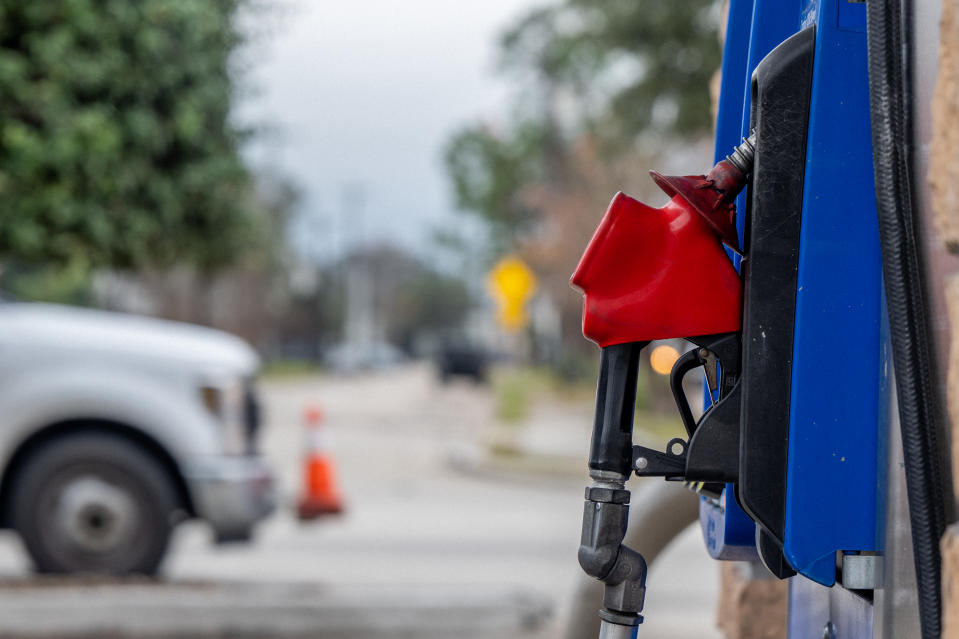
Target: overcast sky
x,y
365,94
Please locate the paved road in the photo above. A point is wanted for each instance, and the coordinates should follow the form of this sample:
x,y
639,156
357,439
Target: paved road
x,y
419,530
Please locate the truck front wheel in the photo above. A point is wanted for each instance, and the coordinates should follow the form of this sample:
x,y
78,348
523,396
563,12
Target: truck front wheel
x,y
93,502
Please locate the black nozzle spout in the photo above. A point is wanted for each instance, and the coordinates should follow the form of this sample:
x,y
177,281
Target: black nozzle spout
x,y
611,449
606,511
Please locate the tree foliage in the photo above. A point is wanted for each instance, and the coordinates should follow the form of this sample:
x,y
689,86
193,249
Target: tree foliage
x,y
116,147
630,64
621,72
411,298
489,171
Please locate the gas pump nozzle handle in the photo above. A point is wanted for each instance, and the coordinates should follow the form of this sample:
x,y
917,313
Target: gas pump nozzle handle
x,y
651,273
606,512
611,447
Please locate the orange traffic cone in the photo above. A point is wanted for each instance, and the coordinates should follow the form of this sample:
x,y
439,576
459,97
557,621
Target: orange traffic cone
x,y
320,494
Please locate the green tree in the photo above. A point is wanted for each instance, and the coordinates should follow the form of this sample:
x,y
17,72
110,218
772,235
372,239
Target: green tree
x,y
631,65
428,303
411,298
603,86
489,172
116,147
622,72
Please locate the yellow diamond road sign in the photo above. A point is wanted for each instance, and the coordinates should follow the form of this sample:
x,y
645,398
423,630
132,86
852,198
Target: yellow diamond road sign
x,y
511,284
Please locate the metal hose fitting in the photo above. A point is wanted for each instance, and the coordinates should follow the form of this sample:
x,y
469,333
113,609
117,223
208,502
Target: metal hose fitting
x,y
742,156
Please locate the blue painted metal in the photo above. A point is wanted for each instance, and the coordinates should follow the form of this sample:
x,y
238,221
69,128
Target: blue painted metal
x,y
832,467
754,28
728,532
732,99
839,383
771,23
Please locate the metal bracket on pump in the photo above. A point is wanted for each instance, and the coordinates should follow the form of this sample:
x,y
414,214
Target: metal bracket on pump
x,y
709,456
654,274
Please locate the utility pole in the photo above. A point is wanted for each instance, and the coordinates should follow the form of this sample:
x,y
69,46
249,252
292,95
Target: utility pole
x,y
359,328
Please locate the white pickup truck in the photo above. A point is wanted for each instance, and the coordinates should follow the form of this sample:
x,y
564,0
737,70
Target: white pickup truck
x,y
115,427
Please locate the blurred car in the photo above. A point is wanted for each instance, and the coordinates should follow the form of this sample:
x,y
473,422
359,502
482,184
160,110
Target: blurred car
x,y
462,359
113,428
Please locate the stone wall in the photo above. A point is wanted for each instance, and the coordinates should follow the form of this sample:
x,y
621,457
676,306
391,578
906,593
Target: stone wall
x,y
752,603
943,177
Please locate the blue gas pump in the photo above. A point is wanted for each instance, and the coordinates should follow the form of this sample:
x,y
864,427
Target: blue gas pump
x,y
790,455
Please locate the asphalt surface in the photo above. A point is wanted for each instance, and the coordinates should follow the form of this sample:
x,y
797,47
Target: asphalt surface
x,y
433,542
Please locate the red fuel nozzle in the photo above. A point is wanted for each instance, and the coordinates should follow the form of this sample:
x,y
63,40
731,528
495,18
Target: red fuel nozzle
x,y
650,274
712,195
657,273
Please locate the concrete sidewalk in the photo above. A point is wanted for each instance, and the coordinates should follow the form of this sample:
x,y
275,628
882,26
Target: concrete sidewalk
x,y
424,549
76,608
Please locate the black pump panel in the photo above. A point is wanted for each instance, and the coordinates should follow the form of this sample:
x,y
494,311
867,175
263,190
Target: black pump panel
x,y
781,89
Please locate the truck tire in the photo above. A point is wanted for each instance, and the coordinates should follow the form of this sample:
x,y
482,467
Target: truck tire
x,y
93,502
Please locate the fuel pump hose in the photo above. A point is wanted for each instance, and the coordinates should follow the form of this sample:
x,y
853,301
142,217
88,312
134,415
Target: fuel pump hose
x,y
889,79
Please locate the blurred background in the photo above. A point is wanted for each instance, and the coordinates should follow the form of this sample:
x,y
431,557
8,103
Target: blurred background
x,y
384,202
